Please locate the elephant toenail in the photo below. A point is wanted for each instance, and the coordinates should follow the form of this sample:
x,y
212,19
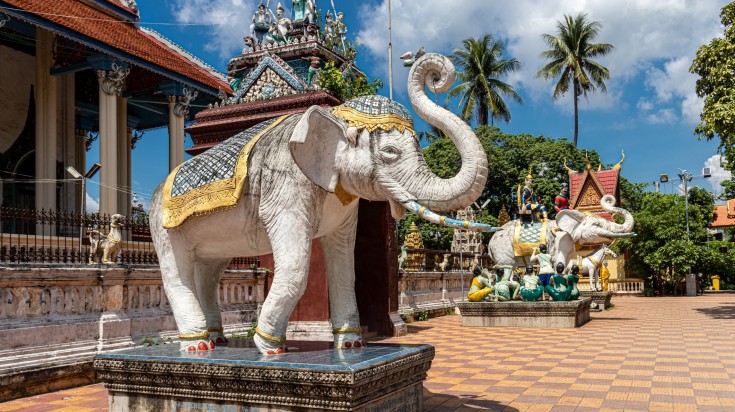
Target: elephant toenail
x,y
191,348
348,345
220,341
202,346
211,344
281,351
357,344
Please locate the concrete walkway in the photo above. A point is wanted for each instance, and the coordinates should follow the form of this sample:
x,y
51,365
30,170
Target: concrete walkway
x,y
661,354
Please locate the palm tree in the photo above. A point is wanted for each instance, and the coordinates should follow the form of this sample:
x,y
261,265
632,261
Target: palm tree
x,y
480,64
571,52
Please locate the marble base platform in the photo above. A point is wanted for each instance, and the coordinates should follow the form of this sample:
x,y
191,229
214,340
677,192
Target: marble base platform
x,y
237,378
543,314
601,298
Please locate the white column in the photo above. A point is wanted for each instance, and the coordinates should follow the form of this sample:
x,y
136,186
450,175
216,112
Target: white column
x,y
175,133
111,83
123,152
108,148
67,141
80,161
46,90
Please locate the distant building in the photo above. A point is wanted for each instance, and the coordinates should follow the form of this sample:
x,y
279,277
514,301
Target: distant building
x,y
73,71
723,218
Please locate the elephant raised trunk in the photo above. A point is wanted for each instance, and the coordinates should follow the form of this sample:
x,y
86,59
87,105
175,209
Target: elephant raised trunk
x,y
437,72
612,229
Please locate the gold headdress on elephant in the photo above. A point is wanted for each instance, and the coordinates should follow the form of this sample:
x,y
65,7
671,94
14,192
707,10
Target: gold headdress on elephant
x,y
375,112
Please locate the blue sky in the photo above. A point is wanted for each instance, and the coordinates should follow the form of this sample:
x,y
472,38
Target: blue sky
x,y
650,109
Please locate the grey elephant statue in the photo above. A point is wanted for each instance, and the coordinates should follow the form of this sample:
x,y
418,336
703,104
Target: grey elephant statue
x,y
561,235
278,185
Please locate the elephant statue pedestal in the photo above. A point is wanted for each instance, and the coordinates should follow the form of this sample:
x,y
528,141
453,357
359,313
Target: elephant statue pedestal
x,y
602,299
541,314
311,376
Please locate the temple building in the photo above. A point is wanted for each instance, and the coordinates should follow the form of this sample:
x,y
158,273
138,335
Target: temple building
x,y
74,71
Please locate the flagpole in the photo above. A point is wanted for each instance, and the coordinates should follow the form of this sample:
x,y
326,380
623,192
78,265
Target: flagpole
x,y
390,53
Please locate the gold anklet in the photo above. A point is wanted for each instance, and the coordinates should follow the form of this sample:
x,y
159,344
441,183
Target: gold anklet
x,y
195,336
357,329
219,329
270,338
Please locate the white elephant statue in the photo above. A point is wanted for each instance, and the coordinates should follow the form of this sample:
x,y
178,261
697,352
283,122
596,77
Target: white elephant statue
x,y
569,228
278,185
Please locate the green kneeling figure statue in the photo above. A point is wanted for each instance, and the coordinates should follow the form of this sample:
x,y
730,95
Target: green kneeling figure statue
x,y
572,280
481,287
558,288
531,290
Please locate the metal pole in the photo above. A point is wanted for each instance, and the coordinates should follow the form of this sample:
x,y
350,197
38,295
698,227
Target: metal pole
x,y
82,215
461,270
686,201
390,53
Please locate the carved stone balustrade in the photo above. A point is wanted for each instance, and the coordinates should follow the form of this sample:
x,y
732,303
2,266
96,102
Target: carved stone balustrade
x,y
55,318
624,287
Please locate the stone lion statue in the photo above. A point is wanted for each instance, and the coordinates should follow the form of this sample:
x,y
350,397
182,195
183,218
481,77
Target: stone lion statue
x,y
106,249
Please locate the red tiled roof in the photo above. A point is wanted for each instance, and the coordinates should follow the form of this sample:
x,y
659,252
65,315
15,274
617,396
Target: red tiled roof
x,y
722,217
118,3
608,179
124,37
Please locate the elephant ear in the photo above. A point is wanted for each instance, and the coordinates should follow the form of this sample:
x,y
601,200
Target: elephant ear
x,y
569,220
315,143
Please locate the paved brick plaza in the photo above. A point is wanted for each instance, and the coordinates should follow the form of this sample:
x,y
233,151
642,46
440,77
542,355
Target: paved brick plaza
x,y
661,354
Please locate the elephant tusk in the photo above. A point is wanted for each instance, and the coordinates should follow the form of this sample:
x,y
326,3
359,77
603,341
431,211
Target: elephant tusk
x,y
619,235
432,217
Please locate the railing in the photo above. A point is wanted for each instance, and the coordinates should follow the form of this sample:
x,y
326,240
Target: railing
x,y
52,237
617,287
428,260
46,236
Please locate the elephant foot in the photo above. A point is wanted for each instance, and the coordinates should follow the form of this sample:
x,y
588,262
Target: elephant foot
x,y
200,345
348,341
268,344
216,333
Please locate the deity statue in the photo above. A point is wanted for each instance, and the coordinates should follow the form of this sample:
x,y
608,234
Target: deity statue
x,y
546,270
605,276
281,26
481,286
531,290
529,200
572,280
558,288
315,65
330,31
506,288
261,23
304,10
402,257
561,201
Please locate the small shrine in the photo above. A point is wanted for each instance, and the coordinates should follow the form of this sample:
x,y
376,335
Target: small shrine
x,y
414,241
466,241
278,71
588,187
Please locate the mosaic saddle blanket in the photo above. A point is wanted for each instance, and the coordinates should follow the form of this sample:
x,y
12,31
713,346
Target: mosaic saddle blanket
x,y
528,236
213,179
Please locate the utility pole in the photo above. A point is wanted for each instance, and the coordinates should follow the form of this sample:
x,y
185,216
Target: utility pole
x,y
686,177
390,53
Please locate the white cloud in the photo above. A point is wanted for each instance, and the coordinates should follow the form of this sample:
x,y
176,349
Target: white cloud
x,y
229,20
640,30
92,205
644,105
719,174
662,116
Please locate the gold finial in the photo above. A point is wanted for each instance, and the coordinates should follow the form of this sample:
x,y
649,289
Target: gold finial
x,y
570,171
587,159
530,170
599,167
620,163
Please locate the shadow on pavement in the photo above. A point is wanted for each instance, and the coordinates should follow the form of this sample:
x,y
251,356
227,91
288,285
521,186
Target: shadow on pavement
x,y
720,312
437,402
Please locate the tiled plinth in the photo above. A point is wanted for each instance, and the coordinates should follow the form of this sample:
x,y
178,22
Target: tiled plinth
x,y
543,314
312,376
601,298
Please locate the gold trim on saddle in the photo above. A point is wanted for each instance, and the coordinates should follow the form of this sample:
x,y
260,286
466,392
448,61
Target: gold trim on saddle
x,y
342,331
373,122
194,336
270,338
212,196
526,249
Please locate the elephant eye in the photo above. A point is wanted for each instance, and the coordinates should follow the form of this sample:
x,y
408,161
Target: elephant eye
x,y
390,153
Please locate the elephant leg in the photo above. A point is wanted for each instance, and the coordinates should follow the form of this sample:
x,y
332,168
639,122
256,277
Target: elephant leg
x,y
339,253
208,274
177,270
291,242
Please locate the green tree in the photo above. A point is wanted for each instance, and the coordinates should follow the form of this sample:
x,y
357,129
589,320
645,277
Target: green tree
x,y
480,64
661,246
570,54
346,85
